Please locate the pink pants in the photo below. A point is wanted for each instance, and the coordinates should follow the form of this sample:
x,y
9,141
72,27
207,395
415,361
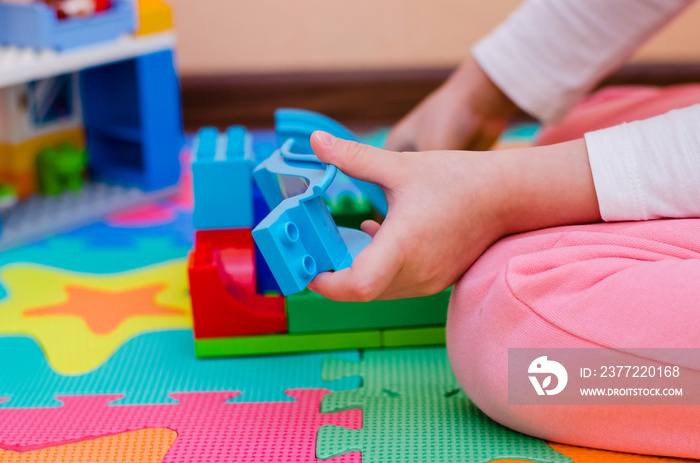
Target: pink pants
x,y
625,285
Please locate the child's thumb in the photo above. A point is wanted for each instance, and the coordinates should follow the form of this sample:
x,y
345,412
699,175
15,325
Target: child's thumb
x,y
359,161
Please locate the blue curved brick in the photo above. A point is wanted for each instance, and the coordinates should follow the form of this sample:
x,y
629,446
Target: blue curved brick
x,y
299,124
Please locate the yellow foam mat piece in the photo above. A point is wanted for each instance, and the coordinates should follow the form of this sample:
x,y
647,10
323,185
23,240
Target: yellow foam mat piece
x,y
143,446
80,320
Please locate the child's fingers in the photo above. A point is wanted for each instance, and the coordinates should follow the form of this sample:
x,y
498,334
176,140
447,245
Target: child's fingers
x,y
359,161
372,271
371,227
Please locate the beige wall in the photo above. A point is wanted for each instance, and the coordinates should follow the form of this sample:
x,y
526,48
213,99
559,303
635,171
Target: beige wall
x,y
244,36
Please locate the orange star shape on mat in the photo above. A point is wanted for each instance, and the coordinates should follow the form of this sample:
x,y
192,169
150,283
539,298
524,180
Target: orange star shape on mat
x,y
104,310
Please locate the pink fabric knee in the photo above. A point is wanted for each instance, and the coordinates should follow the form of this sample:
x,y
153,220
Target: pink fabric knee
x,y
624,285
615,105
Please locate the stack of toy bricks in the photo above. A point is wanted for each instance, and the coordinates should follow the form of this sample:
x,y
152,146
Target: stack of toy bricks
x,y
97,87
237,306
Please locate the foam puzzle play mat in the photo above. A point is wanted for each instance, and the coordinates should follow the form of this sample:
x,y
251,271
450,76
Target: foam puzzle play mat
x,y
98,359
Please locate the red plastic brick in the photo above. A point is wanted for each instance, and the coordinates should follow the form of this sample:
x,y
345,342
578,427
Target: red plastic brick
x,y
222,288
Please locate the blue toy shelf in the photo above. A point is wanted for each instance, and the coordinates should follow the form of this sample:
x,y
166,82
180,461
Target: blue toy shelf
x,y
131,111
35,25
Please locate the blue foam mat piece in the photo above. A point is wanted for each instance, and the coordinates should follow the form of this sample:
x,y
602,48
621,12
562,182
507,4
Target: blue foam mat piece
x,y
150,366
180,232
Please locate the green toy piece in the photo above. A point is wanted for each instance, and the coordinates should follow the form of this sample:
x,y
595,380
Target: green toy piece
x,y
350,211
310,312
414,410
61,169
313,342
414,337
8,196
286,343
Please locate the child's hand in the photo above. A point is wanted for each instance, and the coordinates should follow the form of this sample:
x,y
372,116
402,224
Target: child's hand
x,y
447,207
467,112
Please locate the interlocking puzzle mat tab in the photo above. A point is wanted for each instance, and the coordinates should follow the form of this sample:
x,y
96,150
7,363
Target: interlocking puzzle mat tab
x,y
414,411
149,367
209,428
143,446
81,319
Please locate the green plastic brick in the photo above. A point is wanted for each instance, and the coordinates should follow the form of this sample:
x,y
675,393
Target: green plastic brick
x,y
414,337
61,169
286,343
414,410
310,312
350,211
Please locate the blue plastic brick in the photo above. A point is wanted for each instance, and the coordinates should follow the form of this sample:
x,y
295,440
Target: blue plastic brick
x,y
299,238
299,124
133,121
35,25
264,280
222,179
264,144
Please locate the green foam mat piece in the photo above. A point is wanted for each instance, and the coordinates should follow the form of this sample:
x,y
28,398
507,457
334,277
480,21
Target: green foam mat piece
x,y
310,312
286,343
414,410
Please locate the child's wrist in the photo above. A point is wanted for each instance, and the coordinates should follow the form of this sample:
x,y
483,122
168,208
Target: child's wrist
x,y
548,186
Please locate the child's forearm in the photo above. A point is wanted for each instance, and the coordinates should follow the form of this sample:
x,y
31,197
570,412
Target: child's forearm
x,y
548,186
549,53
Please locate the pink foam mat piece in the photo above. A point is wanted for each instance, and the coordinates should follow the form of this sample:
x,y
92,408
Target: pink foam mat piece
x,y
143,215
185,195
208,429
159,213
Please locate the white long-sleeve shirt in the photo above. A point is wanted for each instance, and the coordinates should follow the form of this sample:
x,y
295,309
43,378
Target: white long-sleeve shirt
x,y
549,53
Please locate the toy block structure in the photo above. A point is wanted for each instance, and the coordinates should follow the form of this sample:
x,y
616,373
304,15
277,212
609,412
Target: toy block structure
x,y
36,116
61,169
154,16
222,265
37,25
265,230
299,238
86,105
